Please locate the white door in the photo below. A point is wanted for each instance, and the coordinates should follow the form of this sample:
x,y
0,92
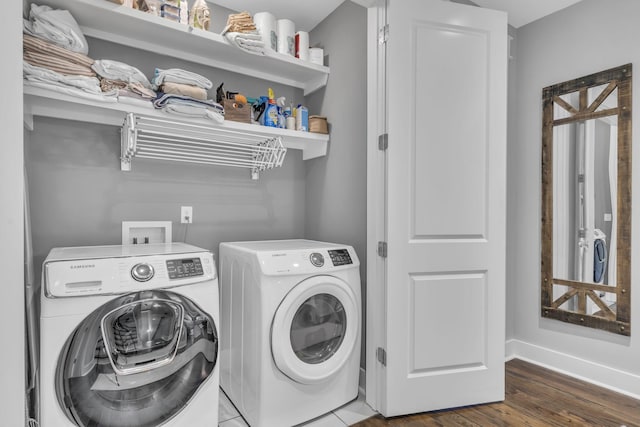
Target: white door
x,y
443,337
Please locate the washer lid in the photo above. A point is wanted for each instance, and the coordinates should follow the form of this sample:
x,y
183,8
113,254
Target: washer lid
x,y
315,329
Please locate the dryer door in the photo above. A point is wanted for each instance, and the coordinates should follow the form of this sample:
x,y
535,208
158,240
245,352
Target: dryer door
x,y
137,360
315,329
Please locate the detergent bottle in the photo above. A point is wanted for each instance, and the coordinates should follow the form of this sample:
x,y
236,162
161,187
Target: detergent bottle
x,y
271,111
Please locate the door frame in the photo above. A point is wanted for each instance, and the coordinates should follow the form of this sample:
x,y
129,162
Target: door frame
x,y
376,201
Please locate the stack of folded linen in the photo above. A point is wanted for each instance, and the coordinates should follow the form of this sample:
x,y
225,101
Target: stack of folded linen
x,y
41,53
185,93
241,32
81,86
130,84
55,55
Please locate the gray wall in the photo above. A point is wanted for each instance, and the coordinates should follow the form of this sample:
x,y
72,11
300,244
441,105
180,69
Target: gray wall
x,y
588,37
336,185
79,196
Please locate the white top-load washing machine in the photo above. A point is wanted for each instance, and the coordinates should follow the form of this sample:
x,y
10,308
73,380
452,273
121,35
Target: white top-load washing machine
x,y
290,337
129,336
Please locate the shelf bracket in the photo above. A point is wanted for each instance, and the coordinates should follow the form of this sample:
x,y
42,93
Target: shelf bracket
x,y
28,121
127,142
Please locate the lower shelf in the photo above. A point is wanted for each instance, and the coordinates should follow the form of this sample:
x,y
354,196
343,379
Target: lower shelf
x,y
47,103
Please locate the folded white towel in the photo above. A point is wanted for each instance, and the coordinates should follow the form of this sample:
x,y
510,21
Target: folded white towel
x,y
71,91
57,26
177,75
115,70
249,42
86,84
193,111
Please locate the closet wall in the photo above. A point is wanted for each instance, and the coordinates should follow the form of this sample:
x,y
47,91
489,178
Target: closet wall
x,y
336,185
79,196
588,37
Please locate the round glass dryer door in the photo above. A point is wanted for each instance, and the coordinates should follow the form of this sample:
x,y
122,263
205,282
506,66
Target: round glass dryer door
x,y
136,361
315,329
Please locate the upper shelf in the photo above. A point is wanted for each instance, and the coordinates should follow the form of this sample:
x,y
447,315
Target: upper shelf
x,y
105,20
47,103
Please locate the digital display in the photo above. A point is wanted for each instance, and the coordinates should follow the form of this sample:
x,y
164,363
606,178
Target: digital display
x,y
340,257
182,268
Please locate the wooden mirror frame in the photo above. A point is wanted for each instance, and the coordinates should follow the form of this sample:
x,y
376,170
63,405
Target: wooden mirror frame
x,y
620,321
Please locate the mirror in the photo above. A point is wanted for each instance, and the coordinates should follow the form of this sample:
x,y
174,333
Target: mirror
x,y
586,201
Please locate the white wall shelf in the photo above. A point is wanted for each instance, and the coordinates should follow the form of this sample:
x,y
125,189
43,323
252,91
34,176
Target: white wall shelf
x,y
47,103
108,21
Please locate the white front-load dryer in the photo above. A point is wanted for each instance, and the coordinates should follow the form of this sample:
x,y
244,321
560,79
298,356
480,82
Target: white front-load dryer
x,y
291,321
129,337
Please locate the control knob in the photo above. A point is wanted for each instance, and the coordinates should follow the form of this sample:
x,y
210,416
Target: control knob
x,y
316,259
142,272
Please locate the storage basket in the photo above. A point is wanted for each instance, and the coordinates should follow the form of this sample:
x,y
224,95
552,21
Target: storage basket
x,y
318,124
236,111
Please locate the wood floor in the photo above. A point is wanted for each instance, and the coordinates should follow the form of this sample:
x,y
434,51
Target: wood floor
x,y
534,397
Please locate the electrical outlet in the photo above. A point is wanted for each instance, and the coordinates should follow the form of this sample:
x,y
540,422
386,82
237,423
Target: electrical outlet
x,y
186,214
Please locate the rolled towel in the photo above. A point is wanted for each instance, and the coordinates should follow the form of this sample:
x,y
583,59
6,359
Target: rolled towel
x,y
177,75
56,26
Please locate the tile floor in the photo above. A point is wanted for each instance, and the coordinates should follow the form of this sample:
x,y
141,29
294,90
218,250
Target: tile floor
x,y
346,415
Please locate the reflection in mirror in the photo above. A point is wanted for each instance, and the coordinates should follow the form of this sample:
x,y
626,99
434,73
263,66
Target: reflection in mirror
x,y
586,201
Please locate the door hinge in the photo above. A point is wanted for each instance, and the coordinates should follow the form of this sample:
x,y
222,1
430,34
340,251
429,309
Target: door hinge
x,y
383,34
383,141
382,249
381,353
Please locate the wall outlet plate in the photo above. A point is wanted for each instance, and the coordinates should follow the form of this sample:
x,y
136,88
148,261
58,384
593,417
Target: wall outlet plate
x,y
141,232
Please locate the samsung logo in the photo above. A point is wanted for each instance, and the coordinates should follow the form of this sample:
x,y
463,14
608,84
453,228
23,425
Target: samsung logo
x,y
76,266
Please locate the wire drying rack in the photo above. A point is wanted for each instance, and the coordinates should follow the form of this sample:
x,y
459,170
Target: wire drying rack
x,y
165,139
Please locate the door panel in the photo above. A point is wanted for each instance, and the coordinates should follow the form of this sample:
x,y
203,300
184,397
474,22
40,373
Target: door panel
x,y
459,342
445,221
444,163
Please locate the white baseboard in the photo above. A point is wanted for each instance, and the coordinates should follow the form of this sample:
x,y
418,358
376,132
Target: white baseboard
x,y
594,373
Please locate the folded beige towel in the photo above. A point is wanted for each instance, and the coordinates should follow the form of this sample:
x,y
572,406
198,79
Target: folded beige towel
x,y
34,44
59,65
184,90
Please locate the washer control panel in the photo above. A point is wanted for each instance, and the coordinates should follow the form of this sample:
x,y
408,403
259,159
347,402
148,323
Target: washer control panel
x,y
186,267
340,257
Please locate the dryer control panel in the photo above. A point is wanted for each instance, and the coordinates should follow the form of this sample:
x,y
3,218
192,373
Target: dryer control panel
x,y
307,261
340,257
